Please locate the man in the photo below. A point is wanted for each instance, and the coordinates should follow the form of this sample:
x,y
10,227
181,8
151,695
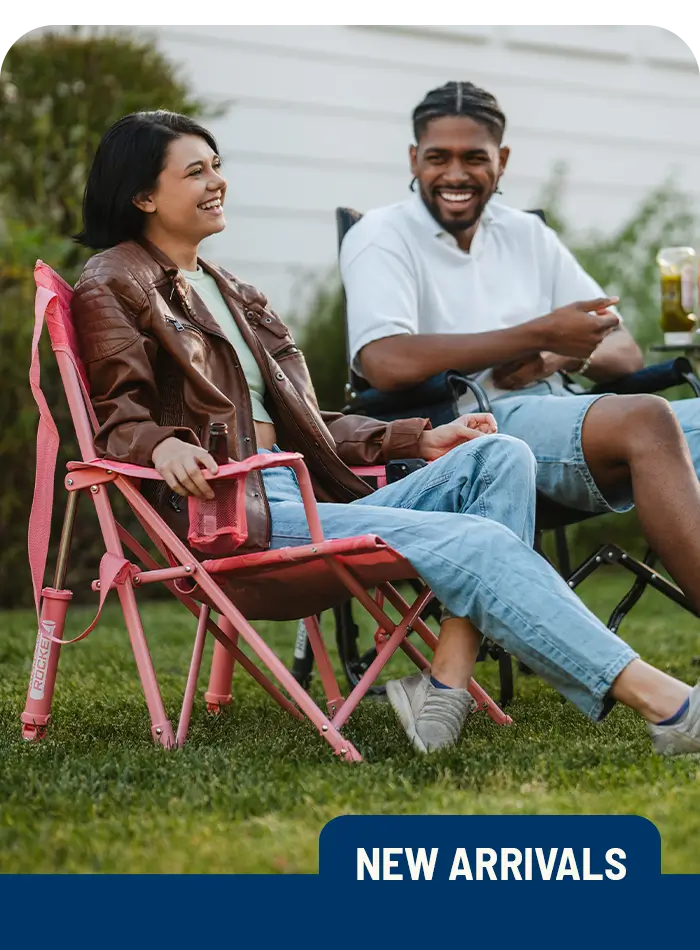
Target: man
x,y
451,279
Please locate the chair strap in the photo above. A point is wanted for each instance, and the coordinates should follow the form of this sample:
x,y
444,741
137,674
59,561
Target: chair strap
x,y
47,442
114,570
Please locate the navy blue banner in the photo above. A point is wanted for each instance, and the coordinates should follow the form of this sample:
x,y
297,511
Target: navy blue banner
x,y
388,881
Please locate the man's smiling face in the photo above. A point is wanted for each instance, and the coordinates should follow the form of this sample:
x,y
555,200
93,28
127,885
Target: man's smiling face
x,y
457,164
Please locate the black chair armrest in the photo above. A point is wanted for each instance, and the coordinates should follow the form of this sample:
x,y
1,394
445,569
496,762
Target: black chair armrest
x,y
437,396
476,389
653,379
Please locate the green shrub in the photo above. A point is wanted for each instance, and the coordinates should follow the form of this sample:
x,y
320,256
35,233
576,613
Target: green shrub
x,y
624,261
58,95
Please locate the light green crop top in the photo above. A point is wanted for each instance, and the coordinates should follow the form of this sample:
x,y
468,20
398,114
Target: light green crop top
x,y
205,285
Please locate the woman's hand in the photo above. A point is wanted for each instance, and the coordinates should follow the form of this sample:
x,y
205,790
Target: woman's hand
x,y
181,464
435,443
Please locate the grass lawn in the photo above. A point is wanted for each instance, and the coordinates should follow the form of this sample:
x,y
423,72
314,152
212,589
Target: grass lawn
x,y
252,789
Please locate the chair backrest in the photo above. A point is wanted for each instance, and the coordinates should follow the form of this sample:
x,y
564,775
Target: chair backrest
x,y
54,297
345,218
52,306
59,319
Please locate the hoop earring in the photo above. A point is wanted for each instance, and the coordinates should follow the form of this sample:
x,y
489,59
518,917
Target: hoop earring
x,y
412,185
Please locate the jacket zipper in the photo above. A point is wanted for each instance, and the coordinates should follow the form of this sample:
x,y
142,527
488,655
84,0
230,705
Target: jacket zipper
x,y
285,351
180,327
189,310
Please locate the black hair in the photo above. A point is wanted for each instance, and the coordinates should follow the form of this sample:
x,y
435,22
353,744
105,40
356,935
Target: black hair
x,y
127,163
460,98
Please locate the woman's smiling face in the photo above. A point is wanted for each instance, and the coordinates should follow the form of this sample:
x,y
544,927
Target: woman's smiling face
x,y
188,198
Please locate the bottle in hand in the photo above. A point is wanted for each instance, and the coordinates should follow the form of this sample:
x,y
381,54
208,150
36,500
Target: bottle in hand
x,y
214,523
218,442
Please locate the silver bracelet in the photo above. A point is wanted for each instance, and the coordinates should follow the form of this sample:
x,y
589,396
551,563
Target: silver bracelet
x,y
583,368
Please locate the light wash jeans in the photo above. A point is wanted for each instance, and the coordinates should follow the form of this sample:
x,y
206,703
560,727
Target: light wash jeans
x,y
549,418
466,523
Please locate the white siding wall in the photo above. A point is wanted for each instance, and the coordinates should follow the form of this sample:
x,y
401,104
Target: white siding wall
x,y
320,116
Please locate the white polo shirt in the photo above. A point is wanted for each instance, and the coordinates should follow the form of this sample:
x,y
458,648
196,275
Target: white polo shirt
x,y
403,273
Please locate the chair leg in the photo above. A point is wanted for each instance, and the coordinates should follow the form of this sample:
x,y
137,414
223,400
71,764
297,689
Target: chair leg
x,y
184,723
161,728
218,694
303,664
54,606
334,700
346,637
505,671
341,746
213,628
37,711
492,709
562,547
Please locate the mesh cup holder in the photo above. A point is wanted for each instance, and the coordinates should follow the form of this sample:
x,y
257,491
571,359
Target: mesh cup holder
x,y
218,526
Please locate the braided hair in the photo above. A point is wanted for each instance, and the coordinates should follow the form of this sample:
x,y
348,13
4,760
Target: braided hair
x,y
460,98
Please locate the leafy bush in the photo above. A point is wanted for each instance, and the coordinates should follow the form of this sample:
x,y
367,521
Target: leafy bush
x,y
624,261
322,339
58,95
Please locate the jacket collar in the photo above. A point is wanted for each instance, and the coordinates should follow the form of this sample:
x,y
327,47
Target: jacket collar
x,y
245,294
235,291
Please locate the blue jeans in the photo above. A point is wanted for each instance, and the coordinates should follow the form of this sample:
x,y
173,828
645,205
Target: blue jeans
x,y
465,523
549,418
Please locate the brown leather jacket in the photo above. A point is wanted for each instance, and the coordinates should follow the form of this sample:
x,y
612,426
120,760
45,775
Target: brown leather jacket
x,y
158,366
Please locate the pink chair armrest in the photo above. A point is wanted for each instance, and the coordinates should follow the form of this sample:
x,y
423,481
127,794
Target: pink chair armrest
x,y
230,470
369,471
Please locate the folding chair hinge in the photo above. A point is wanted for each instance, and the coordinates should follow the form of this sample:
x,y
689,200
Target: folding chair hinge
x,y
91,478
334,705
380,638
128,571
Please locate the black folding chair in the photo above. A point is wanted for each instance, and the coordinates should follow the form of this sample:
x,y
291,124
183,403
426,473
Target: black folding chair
x,y
437,398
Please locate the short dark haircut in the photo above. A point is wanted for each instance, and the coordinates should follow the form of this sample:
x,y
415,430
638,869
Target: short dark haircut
x,y
460,98
127,163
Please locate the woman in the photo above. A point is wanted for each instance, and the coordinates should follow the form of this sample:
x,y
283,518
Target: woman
x,y
172,343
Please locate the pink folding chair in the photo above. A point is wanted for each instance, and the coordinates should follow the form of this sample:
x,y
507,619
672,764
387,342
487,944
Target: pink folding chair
x,y
240,588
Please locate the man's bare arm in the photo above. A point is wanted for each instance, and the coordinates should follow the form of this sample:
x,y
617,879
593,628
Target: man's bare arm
x,y
395,362
407,359
618,355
